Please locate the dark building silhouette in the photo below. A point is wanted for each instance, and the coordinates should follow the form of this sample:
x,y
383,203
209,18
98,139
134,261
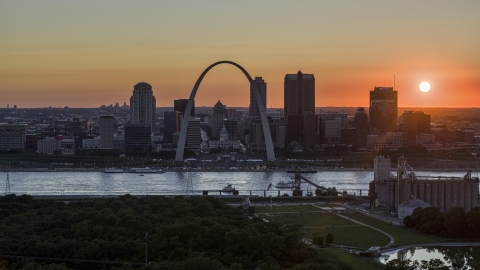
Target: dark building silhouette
x,y
299,108
220,112
143,105
411,124
180,105
231,125
138,137
383,110
262,89
348,136
169,126
361,128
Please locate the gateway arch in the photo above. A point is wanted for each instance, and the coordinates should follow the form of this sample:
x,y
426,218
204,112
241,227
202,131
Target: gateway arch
x,y
263,116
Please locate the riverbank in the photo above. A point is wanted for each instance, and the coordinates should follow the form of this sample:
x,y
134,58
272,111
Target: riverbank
x,y
318,170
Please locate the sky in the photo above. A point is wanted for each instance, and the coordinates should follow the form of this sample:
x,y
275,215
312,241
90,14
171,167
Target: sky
x,y
89,53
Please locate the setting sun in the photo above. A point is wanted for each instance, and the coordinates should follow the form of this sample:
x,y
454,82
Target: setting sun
x,y
424,87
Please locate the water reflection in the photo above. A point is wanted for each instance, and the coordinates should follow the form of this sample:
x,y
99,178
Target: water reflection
x,y
454,257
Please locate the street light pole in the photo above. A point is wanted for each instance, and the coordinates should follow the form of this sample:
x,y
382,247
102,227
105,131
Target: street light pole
x,y
146,248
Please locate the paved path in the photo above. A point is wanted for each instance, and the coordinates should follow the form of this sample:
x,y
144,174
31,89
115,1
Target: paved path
x,y
392,240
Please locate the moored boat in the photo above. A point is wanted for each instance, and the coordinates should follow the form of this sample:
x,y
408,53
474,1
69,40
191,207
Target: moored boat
x,y
113,170
143,170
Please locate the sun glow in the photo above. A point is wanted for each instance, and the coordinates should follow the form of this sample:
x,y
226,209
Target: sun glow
x,y
424,87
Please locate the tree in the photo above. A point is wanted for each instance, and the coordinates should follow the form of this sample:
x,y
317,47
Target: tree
x,y
329,239
455,223
473,220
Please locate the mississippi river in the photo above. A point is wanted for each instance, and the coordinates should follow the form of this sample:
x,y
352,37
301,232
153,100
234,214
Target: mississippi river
x,y
175,183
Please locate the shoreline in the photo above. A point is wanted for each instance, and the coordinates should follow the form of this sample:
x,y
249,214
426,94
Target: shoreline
x,y
318,170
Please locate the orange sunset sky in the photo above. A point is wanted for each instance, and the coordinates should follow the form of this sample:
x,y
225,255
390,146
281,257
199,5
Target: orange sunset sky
x,y
89,53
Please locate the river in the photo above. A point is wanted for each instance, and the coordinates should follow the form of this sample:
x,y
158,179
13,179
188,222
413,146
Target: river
x,y
175,183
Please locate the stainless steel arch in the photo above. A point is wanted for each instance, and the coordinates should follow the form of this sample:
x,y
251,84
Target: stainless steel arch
x,y
263,116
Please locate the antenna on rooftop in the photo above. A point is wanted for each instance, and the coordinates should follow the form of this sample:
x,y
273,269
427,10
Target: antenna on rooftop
x,y
394,82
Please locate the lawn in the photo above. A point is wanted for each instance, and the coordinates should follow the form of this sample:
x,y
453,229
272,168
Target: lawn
x,y
402,235
345,232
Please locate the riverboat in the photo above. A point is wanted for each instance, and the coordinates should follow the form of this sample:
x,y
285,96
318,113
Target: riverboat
x,y
283,184
113,170
143,170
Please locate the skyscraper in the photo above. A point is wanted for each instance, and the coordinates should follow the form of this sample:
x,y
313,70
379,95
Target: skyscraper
x,y
299,103
143,105
299,94
361,128
106,131
383,110
411,124
262,89
219,114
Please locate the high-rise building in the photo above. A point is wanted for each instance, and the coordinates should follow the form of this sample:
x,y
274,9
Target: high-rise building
x,y
383,110
231,126
138,137
361,128
411,124
180,105
107,131
12,136
219,114
194,138
143,105
299,100
169,126
262,89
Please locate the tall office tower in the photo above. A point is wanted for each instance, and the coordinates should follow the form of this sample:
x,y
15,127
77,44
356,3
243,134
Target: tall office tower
x,y
412,124
219,113
262,89
383,110
143,105
169,126
299,100
194,139
106,131
138,137
180,105
231,126
361,128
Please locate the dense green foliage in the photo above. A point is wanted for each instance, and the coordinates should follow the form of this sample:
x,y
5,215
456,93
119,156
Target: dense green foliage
x,y
455,223
193,233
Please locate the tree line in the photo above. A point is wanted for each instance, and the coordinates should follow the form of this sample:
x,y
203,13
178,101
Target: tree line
x,y
183,233
455,223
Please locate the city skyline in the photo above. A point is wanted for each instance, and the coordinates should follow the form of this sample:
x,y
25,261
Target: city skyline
x,y
87,54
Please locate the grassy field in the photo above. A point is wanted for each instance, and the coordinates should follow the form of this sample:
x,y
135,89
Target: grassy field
x,y
402,235
345,232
